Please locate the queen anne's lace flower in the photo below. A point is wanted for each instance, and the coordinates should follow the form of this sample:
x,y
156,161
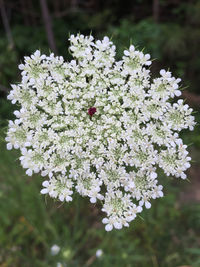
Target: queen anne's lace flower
x,y
99,127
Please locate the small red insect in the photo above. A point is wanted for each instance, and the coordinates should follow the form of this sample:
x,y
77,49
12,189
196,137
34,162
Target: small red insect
x,y
91,111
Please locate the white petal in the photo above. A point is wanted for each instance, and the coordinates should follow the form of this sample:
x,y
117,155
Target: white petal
x,y
147,56
29,172
45,183
183,176
132,48
16,146
175,86
141,203
44,191
37,53
61,197
68,198
108,227
21,66
36,170
93,200
9,146
131,184
106,39
17,113
187,165
162,72
139,209
126,53
105,220
148,63
44,173
153,175
118,225
147,204
99,253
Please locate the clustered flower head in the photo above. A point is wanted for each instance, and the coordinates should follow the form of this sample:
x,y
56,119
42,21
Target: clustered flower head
x,y
99,127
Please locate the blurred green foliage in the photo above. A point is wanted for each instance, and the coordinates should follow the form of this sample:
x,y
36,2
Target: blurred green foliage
x,y
8,63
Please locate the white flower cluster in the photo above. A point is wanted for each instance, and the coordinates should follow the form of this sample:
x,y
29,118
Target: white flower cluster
x,y
100,127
